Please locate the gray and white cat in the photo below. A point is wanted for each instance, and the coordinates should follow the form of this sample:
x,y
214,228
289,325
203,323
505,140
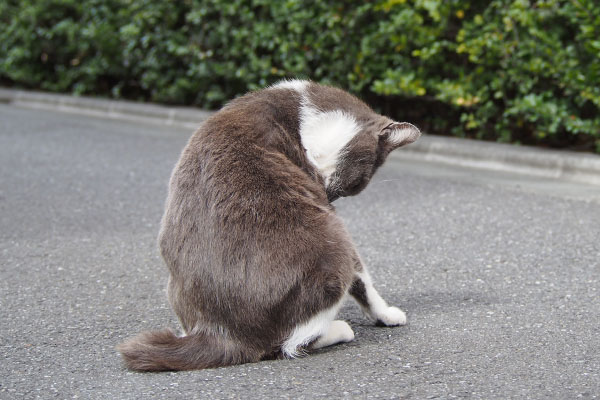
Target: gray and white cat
x,y
259,261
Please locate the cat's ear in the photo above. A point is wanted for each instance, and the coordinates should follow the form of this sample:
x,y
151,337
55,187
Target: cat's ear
x,y
399,134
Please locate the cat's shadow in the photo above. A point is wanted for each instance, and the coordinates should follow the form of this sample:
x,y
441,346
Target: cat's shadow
x,y
433,301
430,302
420,307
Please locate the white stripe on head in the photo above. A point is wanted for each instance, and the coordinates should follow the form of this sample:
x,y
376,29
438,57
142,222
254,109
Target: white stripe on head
x,y
294,84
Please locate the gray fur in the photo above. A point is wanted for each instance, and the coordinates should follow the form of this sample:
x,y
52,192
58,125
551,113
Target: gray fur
x,y
251,240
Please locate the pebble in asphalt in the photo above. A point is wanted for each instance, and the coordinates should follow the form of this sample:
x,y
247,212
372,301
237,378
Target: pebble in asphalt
x,y
498,273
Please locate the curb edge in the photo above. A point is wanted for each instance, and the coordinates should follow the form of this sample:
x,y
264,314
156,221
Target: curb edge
x,y
556,164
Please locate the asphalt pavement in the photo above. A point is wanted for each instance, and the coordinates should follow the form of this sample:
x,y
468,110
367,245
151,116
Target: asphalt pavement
x,y
498,273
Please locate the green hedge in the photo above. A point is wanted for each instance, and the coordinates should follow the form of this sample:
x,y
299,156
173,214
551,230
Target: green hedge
x,y
507,70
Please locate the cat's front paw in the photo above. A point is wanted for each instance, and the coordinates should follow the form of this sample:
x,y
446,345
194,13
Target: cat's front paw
x,y
392,316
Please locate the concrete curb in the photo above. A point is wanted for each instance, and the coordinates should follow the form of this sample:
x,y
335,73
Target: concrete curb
x,y
580,167
116,109
567,165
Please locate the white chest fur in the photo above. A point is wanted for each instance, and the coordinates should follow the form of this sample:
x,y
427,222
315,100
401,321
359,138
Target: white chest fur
x,y
324,134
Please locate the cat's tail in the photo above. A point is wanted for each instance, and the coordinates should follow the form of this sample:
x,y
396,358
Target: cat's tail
x,y
165,351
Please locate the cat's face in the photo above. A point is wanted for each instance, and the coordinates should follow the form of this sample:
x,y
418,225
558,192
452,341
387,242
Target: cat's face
x,y
360,158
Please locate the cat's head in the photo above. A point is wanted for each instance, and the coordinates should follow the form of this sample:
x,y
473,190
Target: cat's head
x,y
358,160
343,137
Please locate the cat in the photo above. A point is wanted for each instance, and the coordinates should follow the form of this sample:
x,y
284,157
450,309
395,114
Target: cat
x,y
259,261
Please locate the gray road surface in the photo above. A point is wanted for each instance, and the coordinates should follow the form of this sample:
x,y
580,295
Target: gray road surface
x,y
499,275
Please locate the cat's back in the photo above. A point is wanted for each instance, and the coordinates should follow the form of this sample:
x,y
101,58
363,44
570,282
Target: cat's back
x,y
259,119
242,199
244,178
249,152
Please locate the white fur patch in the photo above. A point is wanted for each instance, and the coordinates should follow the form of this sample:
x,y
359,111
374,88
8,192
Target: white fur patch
x,y
378,308
324,135
305,333
338,332
294,84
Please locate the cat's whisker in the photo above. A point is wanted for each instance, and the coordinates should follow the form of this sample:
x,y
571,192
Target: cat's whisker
x,y
386,180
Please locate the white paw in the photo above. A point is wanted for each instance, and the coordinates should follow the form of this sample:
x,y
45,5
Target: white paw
x,y
341,331
337,332
392,316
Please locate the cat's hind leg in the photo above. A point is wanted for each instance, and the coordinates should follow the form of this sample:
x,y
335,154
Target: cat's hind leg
x,y
338,332
372,304
319,331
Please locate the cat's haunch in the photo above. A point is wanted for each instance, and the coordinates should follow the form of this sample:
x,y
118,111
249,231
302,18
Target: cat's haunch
x,y
259,261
